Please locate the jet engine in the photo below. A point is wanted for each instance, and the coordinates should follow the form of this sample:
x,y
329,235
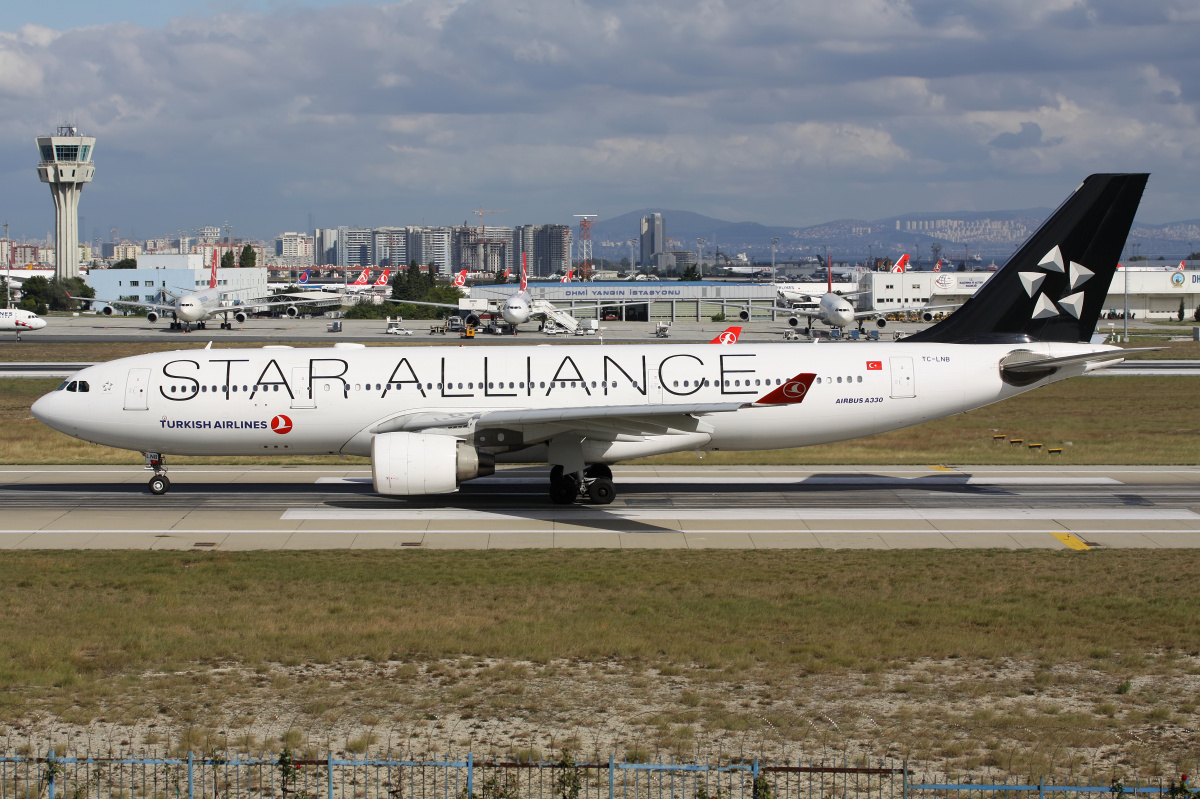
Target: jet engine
x,y
926,316
793,321
293,311
108,310
406,464
151,317
880,322
744,315
471,320
240,317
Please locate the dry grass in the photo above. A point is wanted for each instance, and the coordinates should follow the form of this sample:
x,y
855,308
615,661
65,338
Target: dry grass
x,y
1023,663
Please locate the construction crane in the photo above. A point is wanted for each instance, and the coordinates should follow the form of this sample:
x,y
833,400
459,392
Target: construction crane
x,y
585,245
480,212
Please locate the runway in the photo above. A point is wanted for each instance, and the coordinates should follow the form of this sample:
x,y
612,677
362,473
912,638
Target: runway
x,y
274,507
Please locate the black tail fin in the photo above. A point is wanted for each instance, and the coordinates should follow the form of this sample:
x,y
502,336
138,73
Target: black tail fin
x,y
1054,287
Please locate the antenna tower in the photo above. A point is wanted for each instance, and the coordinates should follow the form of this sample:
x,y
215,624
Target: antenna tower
x,y
585,245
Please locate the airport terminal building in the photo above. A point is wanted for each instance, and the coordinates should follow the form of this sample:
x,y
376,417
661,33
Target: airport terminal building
x,y
174,273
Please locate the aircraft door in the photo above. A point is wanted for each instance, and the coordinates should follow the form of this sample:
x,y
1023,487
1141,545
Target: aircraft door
x,y
302,395
137,390
654,389
903,383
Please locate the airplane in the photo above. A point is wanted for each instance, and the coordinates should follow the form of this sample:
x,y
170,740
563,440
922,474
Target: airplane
x,y
834,310
519,307
197,307
567,277
20,320
431,418
901,264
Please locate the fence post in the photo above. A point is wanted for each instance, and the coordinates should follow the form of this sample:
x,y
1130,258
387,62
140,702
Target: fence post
x,y
612,770
191,775
904,785
50,769
471,774
1041,788
330,769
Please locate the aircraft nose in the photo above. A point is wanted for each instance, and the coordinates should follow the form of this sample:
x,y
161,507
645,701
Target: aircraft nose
x,y
43,409
39,323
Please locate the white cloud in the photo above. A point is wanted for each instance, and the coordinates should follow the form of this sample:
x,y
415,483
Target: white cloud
x,y
425,108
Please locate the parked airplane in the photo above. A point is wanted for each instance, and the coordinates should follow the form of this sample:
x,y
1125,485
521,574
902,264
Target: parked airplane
x,y
359,286
197,307
834,310
568,276
431,418
20,321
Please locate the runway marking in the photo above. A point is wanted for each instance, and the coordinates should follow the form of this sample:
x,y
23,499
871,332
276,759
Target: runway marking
x,y
583,513
822,479
1070,540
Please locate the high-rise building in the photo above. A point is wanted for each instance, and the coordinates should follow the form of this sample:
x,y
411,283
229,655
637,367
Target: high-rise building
x,y
325,246
653,238
296,248
429,245
354,246
489,249
547,248
390,247
66,164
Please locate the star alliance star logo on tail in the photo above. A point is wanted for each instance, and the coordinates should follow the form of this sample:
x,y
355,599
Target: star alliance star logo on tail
x,y
1077,274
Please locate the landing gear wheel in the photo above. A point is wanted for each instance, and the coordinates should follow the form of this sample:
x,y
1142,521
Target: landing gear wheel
x,y
564,491
601,491
556,474
598,470
159,484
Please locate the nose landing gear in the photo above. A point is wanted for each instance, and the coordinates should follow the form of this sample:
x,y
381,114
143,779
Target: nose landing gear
x,y
159,484
595,483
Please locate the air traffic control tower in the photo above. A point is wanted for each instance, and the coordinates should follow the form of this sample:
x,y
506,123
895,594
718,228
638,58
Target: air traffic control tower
x,y
66,165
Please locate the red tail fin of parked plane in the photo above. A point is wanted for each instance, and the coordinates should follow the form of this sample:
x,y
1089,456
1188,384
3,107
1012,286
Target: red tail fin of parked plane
x,y
524,274
212,281
460,279
382,280
901,264
727,336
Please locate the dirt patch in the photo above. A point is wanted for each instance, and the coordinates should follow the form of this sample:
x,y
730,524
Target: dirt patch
x,y
953,717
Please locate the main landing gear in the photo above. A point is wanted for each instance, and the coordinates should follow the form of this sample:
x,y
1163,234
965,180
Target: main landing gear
x,y
159,484
594,483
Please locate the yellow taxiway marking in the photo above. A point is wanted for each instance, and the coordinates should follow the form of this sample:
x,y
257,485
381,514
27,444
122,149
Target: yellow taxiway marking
x,y
1070,540
942,468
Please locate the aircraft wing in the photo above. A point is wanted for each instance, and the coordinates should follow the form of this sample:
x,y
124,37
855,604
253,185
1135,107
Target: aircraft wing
x,y
604,422
157,306
275,302
911,309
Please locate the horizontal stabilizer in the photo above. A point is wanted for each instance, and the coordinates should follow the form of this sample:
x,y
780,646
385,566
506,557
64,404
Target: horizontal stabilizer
x,y
1016,363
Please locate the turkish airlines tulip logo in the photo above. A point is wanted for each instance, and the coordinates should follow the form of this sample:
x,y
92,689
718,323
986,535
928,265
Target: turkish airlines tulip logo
x,y
728,337
281,424
794,389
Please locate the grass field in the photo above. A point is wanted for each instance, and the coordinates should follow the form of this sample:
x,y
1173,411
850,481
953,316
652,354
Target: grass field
x,y
1096,420
1022,662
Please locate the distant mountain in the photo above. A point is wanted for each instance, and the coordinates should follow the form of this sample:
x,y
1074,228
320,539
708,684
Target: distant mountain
x,y
989,233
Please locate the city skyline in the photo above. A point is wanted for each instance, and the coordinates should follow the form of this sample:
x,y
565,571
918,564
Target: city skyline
x,y
253,113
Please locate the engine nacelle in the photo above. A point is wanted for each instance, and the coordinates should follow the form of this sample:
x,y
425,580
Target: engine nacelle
x,y
471,320
293,311
793,321
151,317
744,315
240,317
926,316
880,322
408,464
108,310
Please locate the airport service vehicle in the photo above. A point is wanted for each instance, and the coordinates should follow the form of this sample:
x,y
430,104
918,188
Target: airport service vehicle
x,y
431,418
21,321
197,307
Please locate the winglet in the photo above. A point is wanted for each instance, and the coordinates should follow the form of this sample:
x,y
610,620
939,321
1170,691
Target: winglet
x,y
728,336
792,392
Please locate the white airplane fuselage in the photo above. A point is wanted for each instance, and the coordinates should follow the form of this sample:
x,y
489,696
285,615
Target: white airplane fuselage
x,y
316,401
198,306
21,321
517,309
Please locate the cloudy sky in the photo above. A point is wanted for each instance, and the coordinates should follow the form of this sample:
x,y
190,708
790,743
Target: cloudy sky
x,y
260,113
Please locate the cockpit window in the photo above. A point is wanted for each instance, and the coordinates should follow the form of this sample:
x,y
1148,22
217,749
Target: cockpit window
x,y
73,386
83,386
